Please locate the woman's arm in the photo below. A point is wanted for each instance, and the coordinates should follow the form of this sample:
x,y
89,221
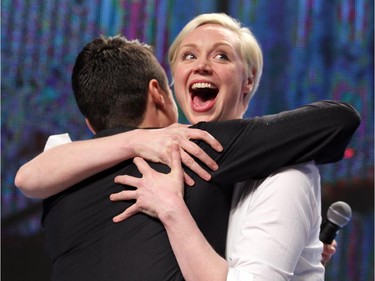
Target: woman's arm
x,y
275,231
195,256
272,237
161,196
60,167
319,131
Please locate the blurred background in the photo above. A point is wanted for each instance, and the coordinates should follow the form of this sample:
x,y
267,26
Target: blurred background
x,y
313,50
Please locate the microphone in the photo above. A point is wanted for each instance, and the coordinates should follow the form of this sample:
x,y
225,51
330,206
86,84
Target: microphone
x,y
338,215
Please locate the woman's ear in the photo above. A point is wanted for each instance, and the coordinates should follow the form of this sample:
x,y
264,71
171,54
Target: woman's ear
x,y
249,85
246,89
88,124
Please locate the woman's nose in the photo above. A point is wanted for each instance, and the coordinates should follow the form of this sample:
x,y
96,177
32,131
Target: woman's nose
x,y
203,66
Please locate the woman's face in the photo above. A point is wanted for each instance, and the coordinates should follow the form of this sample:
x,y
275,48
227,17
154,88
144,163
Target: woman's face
x,y
210,79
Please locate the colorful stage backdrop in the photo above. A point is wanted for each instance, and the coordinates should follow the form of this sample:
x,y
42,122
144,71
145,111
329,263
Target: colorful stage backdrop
x,y
313,50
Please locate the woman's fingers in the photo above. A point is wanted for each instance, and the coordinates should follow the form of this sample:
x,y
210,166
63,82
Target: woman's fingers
x,y
132,210
124,195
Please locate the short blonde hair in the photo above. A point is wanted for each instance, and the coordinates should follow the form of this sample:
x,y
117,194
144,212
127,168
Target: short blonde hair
x,y
250,50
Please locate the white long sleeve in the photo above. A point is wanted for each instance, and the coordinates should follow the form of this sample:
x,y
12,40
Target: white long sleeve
x,y
274,229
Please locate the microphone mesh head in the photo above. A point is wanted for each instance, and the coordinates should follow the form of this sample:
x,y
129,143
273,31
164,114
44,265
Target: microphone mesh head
x,y
339,213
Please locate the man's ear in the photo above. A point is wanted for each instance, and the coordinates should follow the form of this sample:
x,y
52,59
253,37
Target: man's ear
x,y
156,93
88,124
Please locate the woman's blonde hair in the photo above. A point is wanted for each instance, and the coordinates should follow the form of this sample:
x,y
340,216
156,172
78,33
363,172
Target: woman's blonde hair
x,y
250,50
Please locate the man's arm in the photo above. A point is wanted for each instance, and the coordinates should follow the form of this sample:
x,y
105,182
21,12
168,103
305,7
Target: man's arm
x,y
60,167
254,148
319,135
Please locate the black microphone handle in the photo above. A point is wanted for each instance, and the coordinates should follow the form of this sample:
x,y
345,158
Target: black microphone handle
x,y
328,232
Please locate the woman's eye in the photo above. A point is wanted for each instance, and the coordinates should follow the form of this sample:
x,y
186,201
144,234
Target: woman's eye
x,y
188,56
222,56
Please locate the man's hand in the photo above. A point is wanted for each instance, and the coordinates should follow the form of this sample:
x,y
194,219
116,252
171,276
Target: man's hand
x,y
328,251
156,192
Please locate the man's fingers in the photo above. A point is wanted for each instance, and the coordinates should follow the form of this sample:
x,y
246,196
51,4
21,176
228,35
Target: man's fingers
x,y
328,251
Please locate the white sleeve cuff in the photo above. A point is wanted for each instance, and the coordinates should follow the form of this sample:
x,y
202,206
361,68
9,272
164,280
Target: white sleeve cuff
x,y
56,140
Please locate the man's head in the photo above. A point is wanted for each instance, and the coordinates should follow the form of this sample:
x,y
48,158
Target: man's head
x,y
113,79
216,65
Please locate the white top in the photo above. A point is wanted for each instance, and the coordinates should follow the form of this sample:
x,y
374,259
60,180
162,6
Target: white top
x,y
56,140
274,231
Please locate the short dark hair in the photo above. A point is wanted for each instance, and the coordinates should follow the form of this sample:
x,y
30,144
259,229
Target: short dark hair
x,y
110,81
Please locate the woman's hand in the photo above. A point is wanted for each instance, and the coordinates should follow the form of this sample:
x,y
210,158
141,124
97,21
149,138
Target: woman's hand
x,y
155,146
156,193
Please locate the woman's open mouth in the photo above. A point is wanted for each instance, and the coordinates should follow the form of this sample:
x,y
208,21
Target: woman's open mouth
x,y
203,96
